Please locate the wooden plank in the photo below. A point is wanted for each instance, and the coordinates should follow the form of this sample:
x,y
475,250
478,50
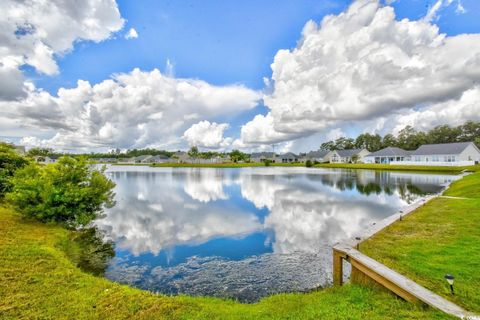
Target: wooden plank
x,y
400,285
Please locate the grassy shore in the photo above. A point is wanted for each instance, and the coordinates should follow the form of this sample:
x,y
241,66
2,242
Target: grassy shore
x,y
323,165
39,281
226,165
372,166
209,165
441,237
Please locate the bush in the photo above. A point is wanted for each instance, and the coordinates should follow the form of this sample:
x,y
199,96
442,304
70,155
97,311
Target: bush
x,y
10,162
68,192
267,163
309,163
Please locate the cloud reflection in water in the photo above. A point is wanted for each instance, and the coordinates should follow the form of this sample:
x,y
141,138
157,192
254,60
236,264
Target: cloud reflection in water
x,y
244,233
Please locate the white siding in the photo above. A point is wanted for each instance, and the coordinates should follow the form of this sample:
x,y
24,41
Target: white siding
x,y
471,153
362,154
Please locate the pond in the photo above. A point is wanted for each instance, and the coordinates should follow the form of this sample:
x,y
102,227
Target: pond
x,y
244,233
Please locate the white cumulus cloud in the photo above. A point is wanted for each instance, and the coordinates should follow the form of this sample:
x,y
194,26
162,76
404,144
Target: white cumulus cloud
x,y
131,110
34,32
360,65
207,134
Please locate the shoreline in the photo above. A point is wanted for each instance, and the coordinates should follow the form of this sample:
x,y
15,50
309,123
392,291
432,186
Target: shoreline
x,y
368,270
376,167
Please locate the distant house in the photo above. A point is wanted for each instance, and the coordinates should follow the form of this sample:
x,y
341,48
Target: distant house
x,y
348,156
126,160
19,149
45,159
221,159
387,155
143,159
262,156
288,157
319,155
181,157
157,159
217,159
105,160
459,153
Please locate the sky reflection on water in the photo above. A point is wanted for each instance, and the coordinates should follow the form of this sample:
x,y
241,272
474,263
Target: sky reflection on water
x,y
244,233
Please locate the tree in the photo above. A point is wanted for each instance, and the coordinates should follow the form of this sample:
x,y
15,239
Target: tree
x,y
344,143
469,131
10,162
389,140
193,152
329,145
355,158
43,152
237,155
371,142
69,192
410,139
309,163
443,134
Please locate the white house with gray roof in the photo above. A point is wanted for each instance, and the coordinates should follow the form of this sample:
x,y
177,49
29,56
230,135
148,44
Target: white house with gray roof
x,y
444,154
262,156
288,157
319,156
348,155
388,155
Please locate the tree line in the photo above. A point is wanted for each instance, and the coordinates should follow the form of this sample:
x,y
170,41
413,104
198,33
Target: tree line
x,y
409,138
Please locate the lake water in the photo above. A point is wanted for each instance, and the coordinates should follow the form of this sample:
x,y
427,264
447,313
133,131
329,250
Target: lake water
x,y
244,233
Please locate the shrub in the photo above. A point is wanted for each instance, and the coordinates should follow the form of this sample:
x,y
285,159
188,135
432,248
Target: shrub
x,y
309,163
68,192
267,162
10,162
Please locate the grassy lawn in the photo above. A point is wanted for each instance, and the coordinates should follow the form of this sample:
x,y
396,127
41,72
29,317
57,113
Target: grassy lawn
x,y
226,165
397,167
39,281
439,238
208,165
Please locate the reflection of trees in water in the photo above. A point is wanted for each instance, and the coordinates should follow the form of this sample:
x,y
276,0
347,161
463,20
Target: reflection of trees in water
x,y
370,188
369,182
92,253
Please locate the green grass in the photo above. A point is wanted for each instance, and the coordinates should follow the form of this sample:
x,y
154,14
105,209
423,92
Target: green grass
x,y
225,165
398,167
208,165
39,281
441,237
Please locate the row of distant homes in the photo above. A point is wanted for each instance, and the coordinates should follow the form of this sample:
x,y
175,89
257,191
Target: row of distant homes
x,y
178,157
446,154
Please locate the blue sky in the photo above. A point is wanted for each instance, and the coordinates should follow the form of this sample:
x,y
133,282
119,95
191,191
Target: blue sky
x,y
220,42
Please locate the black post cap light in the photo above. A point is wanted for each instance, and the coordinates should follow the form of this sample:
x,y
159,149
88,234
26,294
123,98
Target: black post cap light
x,y
450,280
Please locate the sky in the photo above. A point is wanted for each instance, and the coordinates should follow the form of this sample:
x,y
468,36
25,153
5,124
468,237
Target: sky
x,y
221,75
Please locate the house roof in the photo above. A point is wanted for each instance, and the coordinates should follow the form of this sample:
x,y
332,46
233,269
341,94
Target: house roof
x,y
348,152
288,155
159,157
442,148
263,154
390,152
318,154
141,158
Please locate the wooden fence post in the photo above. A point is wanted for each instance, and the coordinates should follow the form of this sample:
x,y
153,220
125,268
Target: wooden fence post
x,y
338,267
